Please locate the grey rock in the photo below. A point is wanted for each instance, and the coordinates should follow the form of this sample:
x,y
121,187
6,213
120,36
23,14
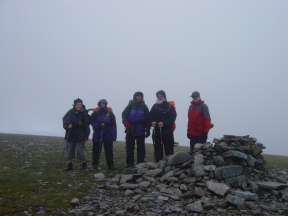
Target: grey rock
x,y
218,188
270,185
235,154
129,192
198,159
235,200
195,207
246,195
179,158
183,187
126,178
228,171
129,186
153,172
99,176
167,175
218,160
251,161
210,168
163,198
120,213
285,194
75,202
144,184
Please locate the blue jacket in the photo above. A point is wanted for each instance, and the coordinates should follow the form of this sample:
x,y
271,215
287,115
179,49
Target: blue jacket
x,y
108,132
135,118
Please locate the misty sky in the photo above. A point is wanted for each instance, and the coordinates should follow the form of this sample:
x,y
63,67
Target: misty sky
x,y
234,52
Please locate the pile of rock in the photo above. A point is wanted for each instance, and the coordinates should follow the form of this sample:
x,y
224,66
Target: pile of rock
x,y
226,177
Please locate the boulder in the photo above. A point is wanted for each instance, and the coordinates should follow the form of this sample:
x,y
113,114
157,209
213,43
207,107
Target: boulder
x,y
229,171
179,158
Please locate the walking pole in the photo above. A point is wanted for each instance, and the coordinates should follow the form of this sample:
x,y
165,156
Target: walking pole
x,y
161,141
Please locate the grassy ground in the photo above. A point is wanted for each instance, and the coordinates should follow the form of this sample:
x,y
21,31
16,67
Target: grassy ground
x,y
31,173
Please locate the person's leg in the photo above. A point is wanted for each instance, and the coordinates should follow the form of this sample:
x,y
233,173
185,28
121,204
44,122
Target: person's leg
x,y
80,151
96,152
204,138
193,141
168,141
130,144
140,149
70,154
108,147
158,148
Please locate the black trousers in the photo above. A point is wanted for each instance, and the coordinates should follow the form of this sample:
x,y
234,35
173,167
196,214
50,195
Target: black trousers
x,y
130,146
197,139
97,149
163,141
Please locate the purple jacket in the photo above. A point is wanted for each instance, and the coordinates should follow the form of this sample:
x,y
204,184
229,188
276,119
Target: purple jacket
x,y
108,132
136,119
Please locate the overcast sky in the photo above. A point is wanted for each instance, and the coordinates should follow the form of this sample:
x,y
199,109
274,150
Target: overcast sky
x,y
234,52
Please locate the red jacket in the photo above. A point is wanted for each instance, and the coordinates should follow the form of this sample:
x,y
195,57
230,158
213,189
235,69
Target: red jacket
x,y
199,121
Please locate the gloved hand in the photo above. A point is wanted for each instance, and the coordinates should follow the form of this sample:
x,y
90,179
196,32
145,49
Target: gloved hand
x,y
147,133
188,136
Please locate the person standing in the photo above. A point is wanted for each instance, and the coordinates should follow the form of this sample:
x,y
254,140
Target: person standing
x,y
76,125
163,116
135,118
103,122
199,121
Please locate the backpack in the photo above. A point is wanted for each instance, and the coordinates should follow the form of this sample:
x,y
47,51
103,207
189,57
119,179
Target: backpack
x,y
173,105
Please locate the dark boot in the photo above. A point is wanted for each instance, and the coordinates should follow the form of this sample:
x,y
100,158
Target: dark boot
x,y
84,166
69,167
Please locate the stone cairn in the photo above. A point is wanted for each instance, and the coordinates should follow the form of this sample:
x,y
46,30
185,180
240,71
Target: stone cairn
x,y
227,177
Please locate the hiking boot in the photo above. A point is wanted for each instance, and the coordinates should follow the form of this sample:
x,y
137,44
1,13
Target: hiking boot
x,y
69,167
84,166
111,167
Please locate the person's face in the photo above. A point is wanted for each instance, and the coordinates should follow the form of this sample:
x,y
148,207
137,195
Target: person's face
x,y
161,97
139,98
78,106
103,105
196,98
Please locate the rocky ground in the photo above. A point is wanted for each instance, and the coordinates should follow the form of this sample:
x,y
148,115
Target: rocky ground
x,y
224,178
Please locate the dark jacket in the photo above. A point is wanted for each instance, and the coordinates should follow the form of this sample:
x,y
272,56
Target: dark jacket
x,y
199,121
165,113
135,118
80,130
105,116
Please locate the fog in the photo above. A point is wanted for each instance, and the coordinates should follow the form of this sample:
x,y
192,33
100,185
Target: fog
x,y
234,52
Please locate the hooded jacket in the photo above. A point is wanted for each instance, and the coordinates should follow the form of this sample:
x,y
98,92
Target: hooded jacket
x,y
199,121
135,118
105,116
80,130
164,112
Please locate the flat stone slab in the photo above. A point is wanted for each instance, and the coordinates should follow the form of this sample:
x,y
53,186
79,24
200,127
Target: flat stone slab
x,y
179,158
235,154
228,171
220,189
246,195
271,185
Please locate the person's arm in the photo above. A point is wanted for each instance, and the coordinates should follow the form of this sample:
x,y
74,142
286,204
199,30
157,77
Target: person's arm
x,y
125,114
66,120
87,125
114,127
189,123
